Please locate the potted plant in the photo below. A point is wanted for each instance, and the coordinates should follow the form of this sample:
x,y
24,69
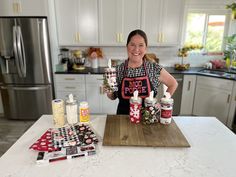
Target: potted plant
x,y
233,8
183,52
229,51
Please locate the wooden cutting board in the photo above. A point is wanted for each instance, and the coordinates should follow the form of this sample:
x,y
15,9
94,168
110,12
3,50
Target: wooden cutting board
x,y
119,131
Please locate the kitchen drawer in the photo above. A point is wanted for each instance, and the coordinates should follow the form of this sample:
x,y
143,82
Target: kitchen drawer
x,y
72,87
70,78
215,82
94,78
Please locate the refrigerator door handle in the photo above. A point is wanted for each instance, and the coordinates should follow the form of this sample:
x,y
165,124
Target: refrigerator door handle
x,y
16,51
24,88
21,51
43,43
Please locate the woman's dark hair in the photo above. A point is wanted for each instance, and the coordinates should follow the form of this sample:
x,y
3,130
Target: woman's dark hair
x,y
139,32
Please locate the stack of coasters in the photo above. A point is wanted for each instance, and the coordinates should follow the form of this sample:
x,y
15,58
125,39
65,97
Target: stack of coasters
x,y
86,135
65,136
44,143
67,142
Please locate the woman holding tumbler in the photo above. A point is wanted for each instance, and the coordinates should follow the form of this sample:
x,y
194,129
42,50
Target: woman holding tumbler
x,y
138,73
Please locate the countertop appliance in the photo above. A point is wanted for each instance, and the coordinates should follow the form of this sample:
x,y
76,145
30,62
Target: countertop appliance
x,y
26,82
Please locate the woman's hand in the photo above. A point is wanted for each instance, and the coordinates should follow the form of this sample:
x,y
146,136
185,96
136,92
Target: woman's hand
x,y
109,92
169,81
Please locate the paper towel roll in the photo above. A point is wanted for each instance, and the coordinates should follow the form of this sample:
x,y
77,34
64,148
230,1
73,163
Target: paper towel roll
x,y
58,110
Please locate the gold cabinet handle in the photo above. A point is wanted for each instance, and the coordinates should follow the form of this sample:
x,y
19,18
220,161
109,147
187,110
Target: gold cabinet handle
x,y
189,85
15,7
101,90
70,87
159,37
69,78
77,37
117,37
162,37
121,37
228,99
18,7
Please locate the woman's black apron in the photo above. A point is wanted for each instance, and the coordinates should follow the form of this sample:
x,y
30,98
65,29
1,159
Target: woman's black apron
x,y
129,85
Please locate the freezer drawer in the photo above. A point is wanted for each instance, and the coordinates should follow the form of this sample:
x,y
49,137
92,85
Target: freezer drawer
x,y
26,102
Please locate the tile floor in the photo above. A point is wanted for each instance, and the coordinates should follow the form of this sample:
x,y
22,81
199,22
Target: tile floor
x,y
10,131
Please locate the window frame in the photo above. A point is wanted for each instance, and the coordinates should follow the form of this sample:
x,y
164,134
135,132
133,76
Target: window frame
x,y
207,12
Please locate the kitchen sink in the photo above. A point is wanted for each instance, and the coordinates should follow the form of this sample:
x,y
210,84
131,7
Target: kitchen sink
x,y
219,73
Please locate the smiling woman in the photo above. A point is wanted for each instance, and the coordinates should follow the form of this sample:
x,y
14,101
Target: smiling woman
x,y
138,73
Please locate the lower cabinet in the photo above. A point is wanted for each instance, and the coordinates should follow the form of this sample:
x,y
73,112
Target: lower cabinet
x,y
86,87
213,97
188,92
70,83
232,110
98,101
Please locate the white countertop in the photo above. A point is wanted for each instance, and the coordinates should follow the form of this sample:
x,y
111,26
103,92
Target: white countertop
x,y
212,154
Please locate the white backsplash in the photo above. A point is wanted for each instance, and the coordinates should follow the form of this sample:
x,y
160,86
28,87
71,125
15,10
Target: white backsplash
x,y
167,56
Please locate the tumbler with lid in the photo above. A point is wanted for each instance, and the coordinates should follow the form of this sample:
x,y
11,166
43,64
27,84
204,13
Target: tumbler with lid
x,y
71,110
135,108
151,112
166,109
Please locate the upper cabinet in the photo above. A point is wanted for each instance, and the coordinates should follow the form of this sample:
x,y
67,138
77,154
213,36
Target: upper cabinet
x,y
108,22
23,8
162,21
77,22
117,19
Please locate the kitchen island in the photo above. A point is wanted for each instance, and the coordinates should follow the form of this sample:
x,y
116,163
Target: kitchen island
x,y
212,154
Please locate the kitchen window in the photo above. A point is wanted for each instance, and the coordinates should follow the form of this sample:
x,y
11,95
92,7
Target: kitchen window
x,y
207,30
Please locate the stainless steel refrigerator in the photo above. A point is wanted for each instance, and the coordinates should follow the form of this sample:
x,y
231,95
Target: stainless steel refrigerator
x,y
26,84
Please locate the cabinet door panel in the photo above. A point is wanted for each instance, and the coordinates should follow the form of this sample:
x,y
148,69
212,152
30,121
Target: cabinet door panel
x,y
109,106
66,14
87,21
109,22
172,16
6,8
151,16
211,102
130,18
188,94
23,8
33,7
93,98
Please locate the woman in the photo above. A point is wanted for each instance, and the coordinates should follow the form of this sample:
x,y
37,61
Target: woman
x,y
137,73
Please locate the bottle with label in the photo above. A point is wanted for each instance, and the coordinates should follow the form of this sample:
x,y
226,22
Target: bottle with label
x,y
166,109
84,112
71,110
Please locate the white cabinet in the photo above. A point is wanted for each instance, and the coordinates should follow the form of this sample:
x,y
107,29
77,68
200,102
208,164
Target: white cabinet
x,y
212,97
86,87
162,21
98,101
232,109
188,92
23,8
77,22
117,19
70,83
